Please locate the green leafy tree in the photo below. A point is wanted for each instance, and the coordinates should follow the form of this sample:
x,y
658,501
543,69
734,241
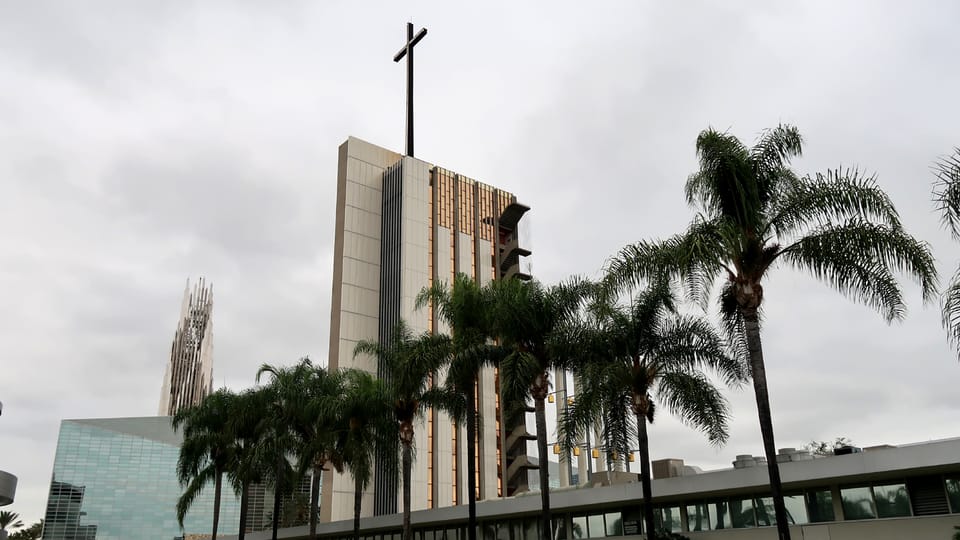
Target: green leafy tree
x,y
370,430
408,364
826,448
753,213
946,195
641,354
311,396
207,450
533,323
467,309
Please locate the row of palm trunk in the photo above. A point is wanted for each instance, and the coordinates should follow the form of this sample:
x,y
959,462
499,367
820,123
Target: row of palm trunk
x,y
630,354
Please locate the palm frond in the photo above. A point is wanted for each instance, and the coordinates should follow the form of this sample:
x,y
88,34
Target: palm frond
x,y
445,399
770,157
731,323
835,196
369,427
946,191
950,309
858,258
585,412
517,372
193,490
696,402
697,256
725,187
691,343
776,146
635,263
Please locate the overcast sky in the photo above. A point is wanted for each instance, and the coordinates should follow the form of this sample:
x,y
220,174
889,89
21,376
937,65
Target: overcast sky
x,y
142,143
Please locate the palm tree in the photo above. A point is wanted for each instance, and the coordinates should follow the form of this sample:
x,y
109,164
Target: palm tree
x,y
370,431
636,355
466,308
532,322
754,212
32,532
249,424
311,396
286,391
408,363
206,452
946,195
9,519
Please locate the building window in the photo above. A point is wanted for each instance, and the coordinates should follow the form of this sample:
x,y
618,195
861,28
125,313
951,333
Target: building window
x,y
595,528
503,531
820,505
720,516
614,523
796,510
530,529
892,500
741,513
579,527
857,503
698,519
953,493
668,518
763,510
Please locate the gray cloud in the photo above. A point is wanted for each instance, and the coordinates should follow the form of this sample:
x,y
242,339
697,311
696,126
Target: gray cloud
x,y
144,143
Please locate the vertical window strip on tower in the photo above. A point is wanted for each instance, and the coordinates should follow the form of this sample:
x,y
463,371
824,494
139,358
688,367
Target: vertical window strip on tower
x,y
431,416
385,481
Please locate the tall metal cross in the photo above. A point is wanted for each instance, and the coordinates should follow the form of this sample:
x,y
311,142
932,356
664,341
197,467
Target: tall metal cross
x,y
407,51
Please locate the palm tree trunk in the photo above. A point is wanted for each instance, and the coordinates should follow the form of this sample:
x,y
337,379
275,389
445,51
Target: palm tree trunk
x,y
315,499
244,502
643,444
277,486
471,461
407,465
541,416
752,328
217,489
357,503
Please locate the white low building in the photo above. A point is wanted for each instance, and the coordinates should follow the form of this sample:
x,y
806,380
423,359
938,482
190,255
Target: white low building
x,y
883,493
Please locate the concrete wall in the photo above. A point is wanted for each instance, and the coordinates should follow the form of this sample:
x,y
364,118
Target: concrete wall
x,y
354,309
443,428
414,276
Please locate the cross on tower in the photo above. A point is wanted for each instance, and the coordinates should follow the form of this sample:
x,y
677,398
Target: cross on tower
x,y
407,51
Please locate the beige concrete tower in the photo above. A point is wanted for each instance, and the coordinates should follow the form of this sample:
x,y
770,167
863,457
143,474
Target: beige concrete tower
x,y
401,224
189,374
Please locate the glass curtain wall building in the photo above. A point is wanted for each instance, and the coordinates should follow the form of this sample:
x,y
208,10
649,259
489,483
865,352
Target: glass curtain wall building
x,y
115,479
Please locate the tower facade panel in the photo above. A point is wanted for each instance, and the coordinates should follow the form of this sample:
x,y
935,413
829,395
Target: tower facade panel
x,y
403,224
189,374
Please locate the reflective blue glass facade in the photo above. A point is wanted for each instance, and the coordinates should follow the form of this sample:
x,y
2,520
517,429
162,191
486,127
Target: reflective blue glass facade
x,y
115,479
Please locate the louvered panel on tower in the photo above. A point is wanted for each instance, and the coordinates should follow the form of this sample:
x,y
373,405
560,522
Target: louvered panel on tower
x,y
928,496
